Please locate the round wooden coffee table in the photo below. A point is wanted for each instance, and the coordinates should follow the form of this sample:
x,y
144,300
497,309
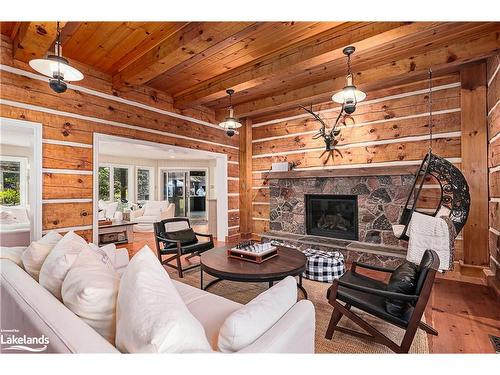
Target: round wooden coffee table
x,y
289,262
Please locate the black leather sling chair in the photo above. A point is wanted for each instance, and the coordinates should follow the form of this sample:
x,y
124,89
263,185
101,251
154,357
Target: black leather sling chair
x,y
175,236
400,302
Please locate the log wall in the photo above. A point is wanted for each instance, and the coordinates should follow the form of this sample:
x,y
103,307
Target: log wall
x,y
390,128
493,100
69,121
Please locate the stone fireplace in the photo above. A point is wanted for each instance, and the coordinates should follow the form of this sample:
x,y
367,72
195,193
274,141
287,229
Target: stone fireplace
x,y
352,214
333,216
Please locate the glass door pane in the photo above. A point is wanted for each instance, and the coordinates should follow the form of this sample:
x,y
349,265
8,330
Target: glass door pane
x,y
10,183
104,183
176,192
120,176
143,185
197,195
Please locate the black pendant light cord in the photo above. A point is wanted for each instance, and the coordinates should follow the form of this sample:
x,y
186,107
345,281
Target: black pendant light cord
x,y
430,110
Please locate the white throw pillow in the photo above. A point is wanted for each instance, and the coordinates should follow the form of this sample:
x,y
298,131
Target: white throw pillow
x,y
151,315
443,211
36,253
58,262
107,254
247,324
90,289
13,253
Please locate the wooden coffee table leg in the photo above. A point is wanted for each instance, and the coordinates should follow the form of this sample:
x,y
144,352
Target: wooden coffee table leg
x,y
271,283
201,278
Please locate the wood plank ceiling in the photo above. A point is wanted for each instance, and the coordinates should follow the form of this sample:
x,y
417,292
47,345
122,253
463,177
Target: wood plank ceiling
x,y
273,66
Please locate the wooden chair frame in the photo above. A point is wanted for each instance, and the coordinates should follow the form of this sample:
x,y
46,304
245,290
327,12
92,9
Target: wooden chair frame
x,y
420,302
178,250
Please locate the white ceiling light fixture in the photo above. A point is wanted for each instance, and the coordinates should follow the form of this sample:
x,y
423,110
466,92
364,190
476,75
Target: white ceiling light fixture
x,y
56,67
349,96
230,123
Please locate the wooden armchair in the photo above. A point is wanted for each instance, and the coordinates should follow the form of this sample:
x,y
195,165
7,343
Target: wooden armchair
x,y
175,236
370,295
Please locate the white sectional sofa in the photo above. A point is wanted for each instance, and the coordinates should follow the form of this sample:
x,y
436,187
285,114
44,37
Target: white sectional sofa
x,y
30,309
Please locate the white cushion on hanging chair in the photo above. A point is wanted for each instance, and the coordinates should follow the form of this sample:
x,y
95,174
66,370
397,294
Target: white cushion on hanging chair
x,y
398,229
443,211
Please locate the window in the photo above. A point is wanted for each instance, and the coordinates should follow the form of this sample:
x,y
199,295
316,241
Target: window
x,y
144,182
104,184
13,181
114,184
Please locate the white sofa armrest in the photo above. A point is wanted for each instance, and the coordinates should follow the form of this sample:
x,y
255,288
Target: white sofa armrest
x,y
293,333
136,213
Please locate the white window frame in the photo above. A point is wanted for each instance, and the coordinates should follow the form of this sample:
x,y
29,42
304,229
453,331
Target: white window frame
x,y
23,177
130,185
151,182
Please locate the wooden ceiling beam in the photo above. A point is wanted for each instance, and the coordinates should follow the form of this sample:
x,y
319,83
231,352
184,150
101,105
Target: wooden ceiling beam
x,y
314,51
34,39
389,73
181,46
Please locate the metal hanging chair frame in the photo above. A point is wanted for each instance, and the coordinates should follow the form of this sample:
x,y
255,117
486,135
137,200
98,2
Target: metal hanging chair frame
x,y
455,194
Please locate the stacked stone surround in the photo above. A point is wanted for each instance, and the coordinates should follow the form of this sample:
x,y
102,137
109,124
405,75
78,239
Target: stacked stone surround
x,y
380,202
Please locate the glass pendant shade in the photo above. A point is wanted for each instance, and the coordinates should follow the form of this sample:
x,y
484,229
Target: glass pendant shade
x,y
349,94
230,123
56,67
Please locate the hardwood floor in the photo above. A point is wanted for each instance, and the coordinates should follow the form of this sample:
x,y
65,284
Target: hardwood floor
x,y
463,313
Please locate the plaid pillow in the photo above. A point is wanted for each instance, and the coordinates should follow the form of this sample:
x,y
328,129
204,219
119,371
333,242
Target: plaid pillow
x,y
324,266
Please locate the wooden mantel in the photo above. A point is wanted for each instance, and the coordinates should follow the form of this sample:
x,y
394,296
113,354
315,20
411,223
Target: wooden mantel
x,y
345,172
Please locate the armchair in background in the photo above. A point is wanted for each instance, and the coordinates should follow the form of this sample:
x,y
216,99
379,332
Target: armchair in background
x,y
150,213
107,210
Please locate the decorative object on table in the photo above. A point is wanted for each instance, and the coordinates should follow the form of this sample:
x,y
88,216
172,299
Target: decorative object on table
x,y
324,266
455,196
104,222
230,123
391,302
56,67
175,237
251,251
349,96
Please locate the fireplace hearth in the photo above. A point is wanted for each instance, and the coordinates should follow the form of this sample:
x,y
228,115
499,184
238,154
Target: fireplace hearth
x,y
333,216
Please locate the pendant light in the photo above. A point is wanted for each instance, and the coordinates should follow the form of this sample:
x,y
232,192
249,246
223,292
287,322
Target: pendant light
x,y
56,67
230,123
349,96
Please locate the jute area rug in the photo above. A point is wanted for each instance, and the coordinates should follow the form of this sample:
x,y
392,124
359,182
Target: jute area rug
x,y
340,343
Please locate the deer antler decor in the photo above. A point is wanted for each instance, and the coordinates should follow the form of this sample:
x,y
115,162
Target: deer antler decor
x,y
349,96
330,137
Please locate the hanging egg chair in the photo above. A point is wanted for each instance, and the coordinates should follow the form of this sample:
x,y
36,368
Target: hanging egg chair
x,y
455,198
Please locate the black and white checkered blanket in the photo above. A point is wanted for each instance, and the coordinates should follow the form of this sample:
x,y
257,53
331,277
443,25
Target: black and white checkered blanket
x,y
323,266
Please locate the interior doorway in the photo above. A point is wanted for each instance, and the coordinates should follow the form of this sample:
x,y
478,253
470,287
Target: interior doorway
x,y
194,180
187,190
20,182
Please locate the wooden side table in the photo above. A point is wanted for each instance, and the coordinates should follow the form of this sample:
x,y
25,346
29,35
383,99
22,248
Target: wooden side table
x,y
117,232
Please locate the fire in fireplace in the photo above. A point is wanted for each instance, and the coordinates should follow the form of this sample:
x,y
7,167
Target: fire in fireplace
x,y
332,216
